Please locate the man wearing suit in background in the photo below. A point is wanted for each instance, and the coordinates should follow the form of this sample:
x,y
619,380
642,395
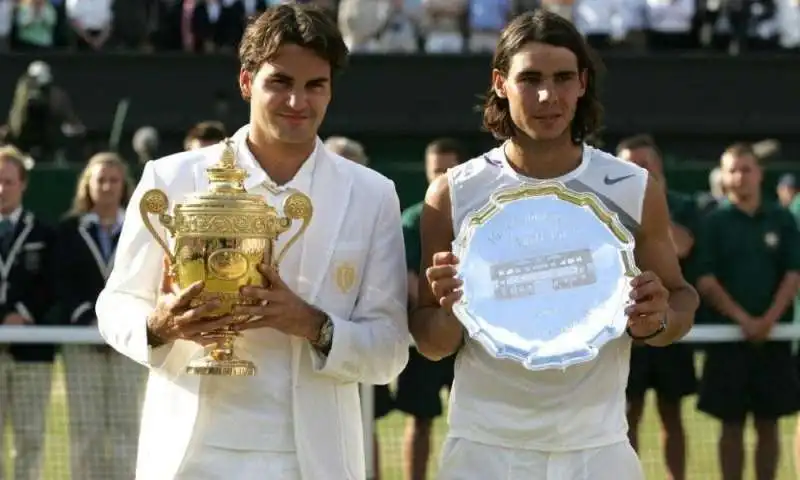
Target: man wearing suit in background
x,y
334,317
26,295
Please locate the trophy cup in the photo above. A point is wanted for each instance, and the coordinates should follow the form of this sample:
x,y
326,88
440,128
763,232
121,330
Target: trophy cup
x,y
220,237
546,275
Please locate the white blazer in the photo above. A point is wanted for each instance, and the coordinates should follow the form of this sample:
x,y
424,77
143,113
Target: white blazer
x,y
356,223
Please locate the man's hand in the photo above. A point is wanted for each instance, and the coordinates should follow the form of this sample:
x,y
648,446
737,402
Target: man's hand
x,y
174,318
15,318
651,302
279,308
442,279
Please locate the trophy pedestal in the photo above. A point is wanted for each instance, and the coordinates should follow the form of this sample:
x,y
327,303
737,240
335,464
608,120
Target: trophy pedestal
x,y
227,368
221,361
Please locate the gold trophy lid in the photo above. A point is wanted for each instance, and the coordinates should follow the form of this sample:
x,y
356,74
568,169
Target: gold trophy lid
x,y
226,181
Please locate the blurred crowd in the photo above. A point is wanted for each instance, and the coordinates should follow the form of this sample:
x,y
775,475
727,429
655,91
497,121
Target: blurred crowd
x,y
400,26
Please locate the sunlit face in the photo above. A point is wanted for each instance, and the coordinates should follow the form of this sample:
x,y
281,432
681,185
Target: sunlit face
x,y
106,184
786,194
11,187
543,86
644,157
289,95
437,164
741,175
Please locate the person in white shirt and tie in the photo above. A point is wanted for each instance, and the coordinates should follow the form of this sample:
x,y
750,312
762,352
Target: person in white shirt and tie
x,y
319,336
26,298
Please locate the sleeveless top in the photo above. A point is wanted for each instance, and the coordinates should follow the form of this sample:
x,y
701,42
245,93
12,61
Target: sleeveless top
x,y
498,402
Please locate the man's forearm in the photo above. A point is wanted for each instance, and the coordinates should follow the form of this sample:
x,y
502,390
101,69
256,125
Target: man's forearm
x,y
719,299
436,332
783,297
683,303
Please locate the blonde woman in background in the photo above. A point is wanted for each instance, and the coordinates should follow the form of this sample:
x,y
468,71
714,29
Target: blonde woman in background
x,y
103,387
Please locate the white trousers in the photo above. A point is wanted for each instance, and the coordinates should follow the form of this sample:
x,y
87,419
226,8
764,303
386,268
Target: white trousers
x,y
466,460
104,390
205,462
24,398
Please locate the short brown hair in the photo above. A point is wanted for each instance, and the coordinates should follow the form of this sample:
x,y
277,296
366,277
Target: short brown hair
x,y
14,156
636,142
205,132
447,146
549,28
304,25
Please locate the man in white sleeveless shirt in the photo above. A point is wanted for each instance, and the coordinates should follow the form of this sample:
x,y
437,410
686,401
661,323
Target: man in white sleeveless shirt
x,y
334,317
505,421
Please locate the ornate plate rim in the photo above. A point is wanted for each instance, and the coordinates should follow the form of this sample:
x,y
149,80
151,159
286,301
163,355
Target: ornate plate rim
x,y
497,201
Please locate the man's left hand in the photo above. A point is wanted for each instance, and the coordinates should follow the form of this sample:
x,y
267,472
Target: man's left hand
x,y
651,302
279,308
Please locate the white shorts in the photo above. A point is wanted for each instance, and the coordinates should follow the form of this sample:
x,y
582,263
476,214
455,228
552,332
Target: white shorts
x,y
205,462
467,460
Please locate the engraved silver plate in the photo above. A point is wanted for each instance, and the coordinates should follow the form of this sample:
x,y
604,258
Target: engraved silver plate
x,y
546,274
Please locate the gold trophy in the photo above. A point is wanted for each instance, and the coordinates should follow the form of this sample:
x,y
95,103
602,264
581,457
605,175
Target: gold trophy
x,y
220,237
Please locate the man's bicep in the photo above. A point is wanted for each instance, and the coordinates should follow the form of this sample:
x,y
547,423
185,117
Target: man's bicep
x,y
436,234
654,249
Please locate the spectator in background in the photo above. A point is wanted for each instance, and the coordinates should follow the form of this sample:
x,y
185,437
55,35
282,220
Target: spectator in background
x,y
669,24
347,148
6,22
41,115
602,22
420,384
443,25
667,370
362,22
35,25
486,20
145,144
204,134
786,189
103,386
91,22
26,294
133,22
216,25
748,268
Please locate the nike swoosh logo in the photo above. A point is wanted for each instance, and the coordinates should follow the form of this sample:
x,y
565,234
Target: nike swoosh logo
x,y
611,181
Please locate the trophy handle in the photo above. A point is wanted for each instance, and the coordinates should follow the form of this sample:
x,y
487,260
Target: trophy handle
x,y
296,207
155,202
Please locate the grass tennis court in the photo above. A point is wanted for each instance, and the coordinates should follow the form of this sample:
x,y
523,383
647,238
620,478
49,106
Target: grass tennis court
x,y
702,434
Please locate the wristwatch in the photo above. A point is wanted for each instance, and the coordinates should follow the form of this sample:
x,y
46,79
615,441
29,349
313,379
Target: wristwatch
x,y
659,330
325,339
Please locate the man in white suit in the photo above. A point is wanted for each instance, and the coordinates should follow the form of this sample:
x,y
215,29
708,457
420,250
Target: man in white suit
x,y
334,318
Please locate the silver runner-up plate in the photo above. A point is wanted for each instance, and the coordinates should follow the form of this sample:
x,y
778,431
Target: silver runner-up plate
x,y
546,275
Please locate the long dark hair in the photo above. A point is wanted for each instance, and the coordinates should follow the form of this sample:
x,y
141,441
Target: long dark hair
x,y
542,26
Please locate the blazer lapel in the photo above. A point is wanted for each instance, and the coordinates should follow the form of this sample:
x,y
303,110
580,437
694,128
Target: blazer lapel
x,y
21,232
330,196
89,239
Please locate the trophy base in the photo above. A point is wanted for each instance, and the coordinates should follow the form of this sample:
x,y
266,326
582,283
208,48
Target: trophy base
x,y
226,368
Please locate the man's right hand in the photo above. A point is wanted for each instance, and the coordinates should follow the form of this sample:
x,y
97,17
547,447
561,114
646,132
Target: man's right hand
x,y
175,319
442,279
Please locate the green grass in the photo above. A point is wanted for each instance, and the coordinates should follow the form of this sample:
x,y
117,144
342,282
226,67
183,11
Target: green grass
x,y
701,432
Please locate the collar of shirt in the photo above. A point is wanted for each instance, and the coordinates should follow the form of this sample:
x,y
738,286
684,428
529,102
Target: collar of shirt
x,y
93,218
301,180
14,217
